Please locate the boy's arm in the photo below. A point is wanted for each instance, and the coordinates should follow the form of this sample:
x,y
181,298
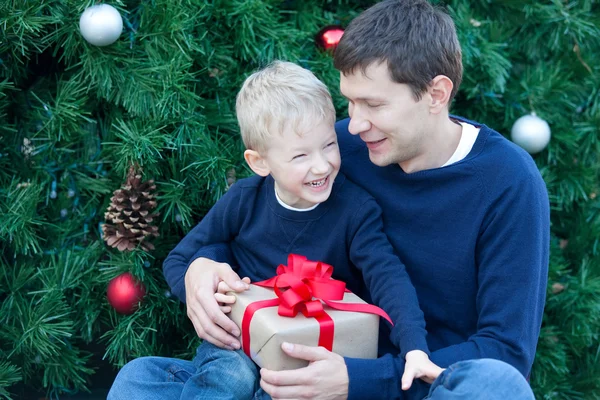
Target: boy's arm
x,y
386,278
512,255
209,239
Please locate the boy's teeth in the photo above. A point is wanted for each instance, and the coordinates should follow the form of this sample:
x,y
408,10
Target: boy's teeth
x,y
317,183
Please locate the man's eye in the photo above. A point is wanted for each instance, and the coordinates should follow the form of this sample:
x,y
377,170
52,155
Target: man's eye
x,y
373,105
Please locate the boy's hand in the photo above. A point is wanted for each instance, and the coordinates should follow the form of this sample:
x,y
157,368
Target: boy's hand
x,y
223,299
201,281
418,365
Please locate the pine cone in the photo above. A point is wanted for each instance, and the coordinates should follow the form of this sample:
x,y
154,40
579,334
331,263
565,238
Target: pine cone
x,y
129,217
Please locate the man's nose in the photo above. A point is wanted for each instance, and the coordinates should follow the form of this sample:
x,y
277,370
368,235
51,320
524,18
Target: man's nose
x,y
358,122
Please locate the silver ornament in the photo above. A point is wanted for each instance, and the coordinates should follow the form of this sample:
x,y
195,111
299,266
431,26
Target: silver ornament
x,y
531,133
101,24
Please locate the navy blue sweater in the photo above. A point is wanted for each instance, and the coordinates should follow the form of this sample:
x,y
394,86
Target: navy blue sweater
x,y
346,231
474,237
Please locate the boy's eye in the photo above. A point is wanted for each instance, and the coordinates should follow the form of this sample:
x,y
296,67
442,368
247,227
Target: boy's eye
x,y
330,144
373,105
298,156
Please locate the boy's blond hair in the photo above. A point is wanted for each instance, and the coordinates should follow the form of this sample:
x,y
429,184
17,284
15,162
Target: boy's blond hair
x,y
281,96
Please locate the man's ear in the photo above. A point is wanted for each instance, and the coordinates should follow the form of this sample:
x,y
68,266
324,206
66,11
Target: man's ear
x,y
257,163
440,90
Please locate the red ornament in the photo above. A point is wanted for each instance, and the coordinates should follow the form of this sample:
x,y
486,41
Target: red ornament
x,y
329,37
124,293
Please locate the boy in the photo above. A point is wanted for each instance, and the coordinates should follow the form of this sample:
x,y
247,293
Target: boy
x,y
298,203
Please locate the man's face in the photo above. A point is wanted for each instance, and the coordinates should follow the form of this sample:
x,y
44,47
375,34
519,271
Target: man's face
x,y
385,115
304,166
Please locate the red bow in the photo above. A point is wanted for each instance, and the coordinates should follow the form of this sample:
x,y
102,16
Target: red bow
x,y
297,283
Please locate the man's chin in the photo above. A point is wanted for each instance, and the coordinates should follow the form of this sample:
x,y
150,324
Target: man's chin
x,y
379,159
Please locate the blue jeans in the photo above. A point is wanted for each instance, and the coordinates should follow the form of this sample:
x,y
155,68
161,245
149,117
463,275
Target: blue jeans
x,y
480,379
214,374
167,378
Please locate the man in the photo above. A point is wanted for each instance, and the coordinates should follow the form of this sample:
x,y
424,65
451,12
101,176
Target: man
x,y
465,209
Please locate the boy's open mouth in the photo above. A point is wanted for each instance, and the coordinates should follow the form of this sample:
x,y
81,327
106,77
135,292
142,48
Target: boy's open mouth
x,y
318,183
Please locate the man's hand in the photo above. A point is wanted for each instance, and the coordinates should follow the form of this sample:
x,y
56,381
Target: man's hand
x,y
201,282
418,365
325,378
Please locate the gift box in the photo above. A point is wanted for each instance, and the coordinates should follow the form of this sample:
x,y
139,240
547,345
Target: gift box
x,y
303,305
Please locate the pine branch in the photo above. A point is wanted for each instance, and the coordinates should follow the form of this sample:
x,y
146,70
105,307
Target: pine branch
x,y
67,373
63,114
19,221
579,309
550,374
138,143
9,375
131,337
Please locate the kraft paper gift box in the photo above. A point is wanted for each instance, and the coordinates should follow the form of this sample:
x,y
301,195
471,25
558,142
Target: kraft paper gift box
x,y
355,333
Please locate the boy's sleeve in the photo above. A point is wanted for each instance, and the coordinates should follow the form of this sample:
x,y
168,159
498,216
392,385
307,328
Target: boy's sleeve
x,y
210,239
219,252
512,255
386,278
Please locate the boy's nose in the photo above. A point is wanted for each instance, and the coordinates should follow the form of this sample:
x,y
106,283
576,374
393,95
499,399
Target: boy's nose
x,y
320,166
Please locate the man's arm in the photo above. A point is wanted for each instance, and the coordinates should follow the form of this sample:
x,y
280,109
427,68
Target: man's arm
x,y
512,255
326,378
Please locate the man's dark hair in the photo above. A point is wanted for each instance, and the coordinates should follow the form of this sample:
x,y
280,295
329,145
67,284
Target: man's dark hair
x,y
417,40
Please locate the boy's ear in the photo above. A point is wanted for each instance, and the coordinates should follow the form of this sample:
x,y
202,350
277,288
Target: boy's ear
x,y
440,90
257,163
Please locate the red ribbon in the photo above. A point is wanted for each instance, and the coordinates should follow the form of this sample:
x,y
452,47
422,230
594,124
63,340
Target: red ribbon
x,y
303,286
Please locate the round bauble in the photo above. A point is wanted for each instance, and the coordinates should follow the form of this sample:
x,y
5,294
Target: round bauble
x,y
124,293
329,37
101,24
531,133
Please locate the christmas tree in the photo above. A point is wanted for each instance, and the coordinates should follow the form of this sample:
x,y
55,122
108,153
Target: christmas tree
x,y
108,141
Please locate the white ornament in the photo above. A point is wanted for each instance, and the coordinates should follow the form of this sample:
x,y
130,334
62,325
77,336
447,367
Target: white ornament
x,y
531,133
101,24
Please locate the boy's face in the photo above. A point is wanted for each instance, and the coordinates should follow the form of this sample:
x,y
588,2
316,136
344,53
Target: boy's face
x,y
304,167
386,116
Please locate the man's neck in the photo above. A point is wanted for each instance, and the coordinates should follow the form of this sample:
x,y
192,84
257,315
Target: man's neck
x,y
438,146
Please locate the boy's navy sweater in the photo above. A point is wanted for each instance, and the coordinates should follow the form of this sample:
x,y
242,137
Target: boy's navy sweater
x,y
474,237
346,232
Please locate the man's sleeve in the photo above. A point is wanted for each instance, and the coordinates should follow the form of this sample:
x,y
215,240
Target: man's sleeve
x,y
512,256
209,239
381,379
386,278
